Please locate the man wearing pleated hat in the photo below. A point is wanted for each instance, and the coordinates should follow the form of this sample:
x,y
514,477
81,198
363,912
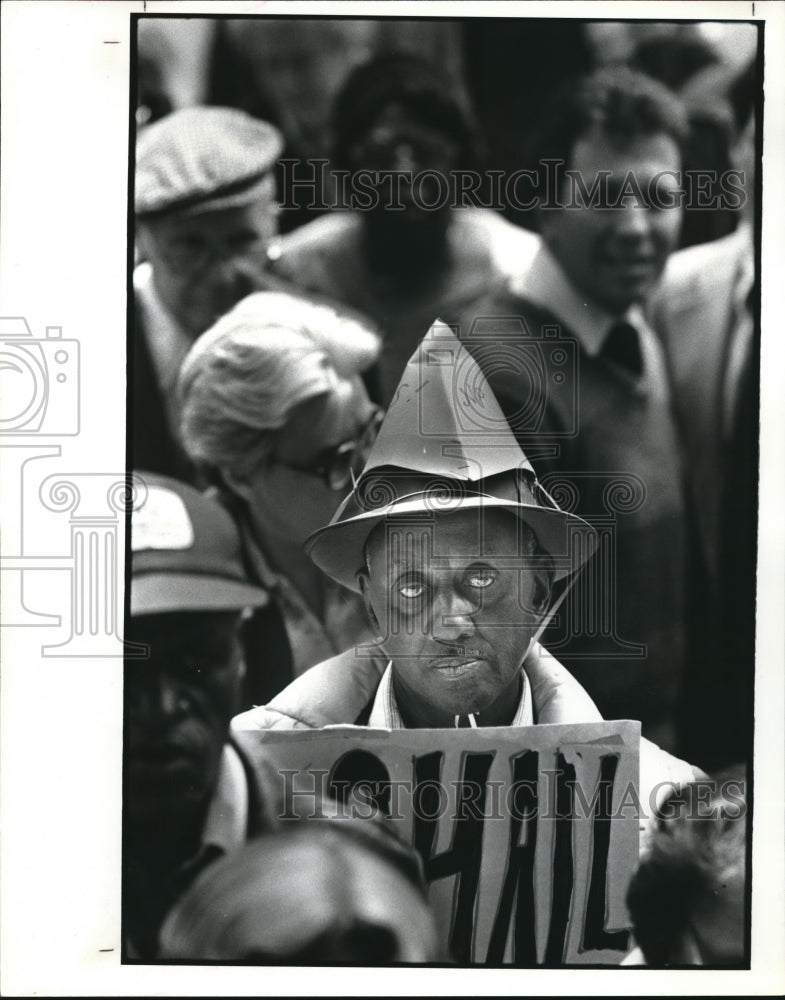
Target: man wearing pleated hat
x,y
462,559
206,229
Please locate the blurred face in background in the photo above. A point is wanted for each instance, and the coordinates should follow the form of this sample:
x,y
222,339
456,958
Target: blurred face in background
x,y
298,487
204,264
179,702
614,255
398,141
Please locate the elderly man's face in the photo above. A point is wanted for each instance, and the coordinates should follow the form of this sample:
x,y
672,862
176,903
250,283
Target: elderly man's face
x,y
614,255
457,601
204,265
179,703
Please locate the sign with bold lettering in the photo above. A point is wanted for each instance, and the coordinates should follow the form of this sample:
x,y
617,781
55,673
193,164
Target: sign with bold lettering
x,y
528,836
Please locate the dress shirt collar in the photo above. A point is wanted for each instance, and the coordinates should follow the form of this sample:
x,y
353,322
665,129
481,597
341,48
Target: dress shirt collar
x,y
546,285
385,713
226,824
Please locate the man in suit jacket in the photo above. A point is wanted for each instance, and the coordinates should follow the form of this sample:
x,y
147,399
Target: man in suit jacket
x,y
704,312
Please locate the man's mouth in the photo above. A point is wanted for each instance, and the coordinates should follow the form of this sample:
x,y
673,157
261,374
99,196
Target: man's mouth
x,y
452,667
631,265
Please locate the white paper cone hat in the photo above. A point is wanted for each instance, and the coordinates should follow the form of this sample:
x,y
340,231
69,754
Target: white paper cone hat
x,y
445,445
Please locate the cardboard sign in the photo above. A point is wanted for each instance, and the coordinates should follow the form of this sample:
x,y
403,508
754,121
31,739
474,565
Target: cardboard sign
x,y
528,836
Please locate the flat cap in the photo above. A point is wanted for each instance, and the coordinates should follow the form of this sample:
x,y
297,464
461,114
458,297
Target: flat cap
x,y
204,158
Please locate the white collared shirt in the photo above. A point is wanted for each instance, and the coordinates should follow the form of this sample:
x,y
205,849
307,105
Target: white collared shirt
x,y
385,713
545,284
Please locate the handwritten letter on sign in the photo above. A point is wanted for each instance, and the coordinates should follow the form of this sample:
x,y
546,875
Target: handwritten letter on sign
x,y
528,836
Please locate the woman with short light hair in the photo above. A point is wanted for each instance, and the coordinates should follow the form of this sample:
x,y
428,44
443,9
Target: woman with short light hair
x,y
275,414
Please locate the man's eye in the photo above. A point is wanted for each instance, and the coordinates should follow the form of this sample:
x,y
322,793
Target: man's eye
x,y
411,591
480,579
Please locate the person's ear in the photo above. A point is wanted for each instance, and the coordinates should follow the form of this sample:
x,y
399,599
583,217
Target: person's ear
x,y
541,598
365,589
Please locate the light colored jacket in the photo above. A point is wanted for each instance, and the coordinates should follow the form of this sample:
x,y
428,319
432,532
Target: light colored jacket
x,y
699,310
336,691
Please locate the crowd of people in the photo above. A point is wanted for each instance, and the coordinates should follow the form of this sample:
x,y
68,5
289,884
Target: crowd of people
x,y
516,468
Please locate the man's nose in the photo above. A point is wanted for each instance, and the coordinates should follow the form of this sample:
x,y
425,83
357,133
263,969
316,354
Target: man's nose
x,y
226,268
404,158
453,615
634,222
232,279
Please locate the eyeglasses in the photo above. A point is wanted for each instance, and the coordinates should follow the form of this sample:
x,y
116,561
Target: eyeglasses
x,y
192,252
337,466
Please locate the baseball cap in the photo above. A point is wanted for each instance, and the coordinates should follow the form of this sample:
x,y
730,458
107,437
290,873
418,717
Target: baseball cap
x,y
185,553
201,159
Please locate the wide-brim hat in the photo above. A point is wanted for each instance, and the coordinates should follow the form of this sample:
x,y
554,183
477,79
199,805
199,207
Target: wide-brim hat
x,y
445,446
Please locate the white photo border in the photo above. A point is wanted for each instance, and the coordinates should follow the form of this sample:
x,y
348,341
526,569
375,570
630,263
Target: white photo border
x,y
63,261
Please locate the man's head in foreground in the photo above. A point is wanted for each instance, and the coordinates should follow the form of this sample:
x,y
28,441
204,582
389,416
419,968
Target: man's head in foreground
x,y
188,593
619,134
453,543
321,892
457,600
205,209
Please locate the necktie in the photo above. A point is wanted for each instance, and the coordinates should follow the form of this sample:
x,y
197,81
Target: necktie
x,y
622,348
